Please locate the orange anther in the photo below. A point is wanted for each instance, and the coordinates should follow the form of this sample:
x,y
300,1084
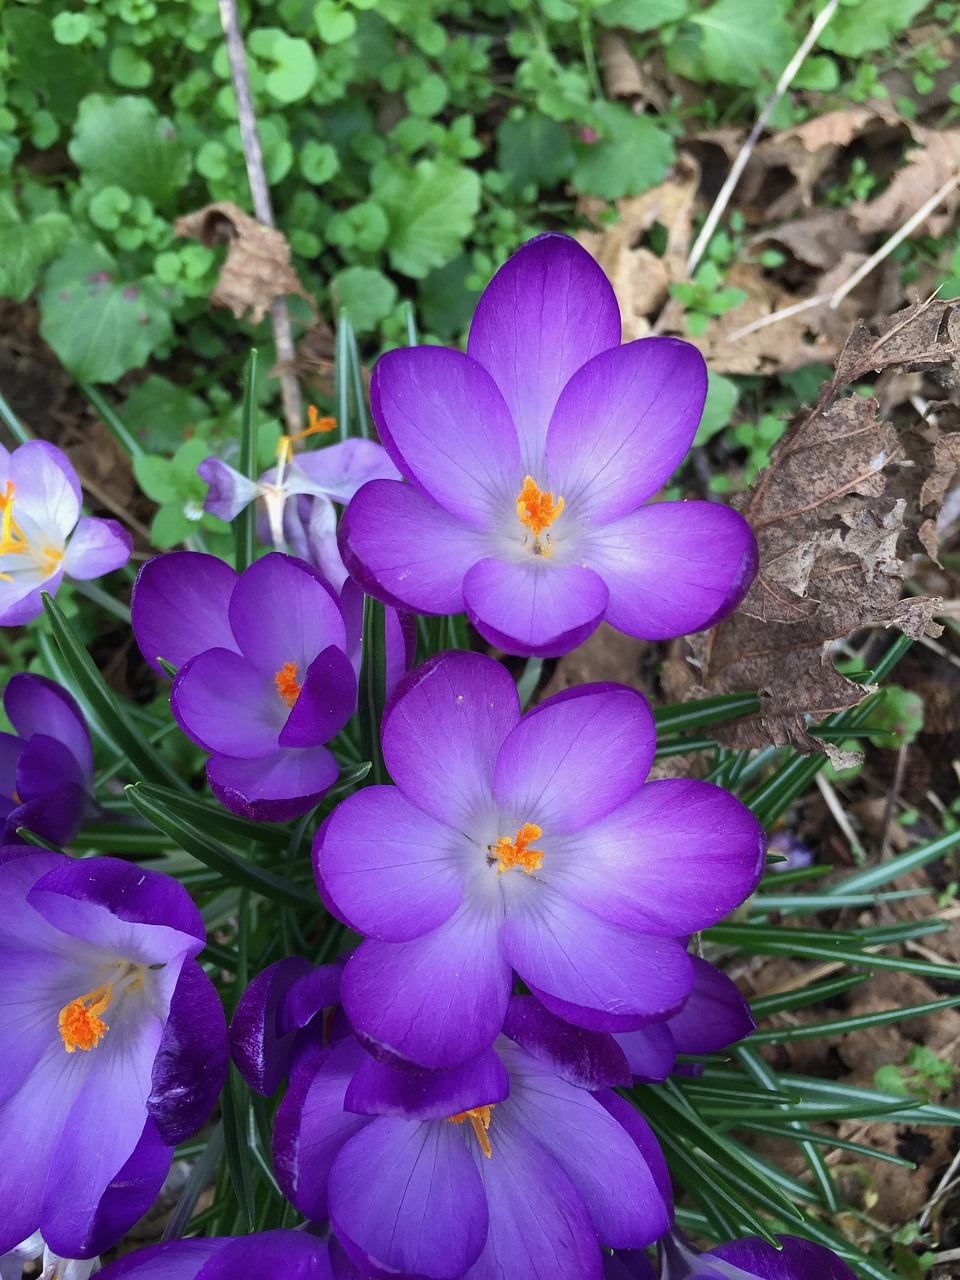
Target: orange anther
x,y
286,682
315,425
537,509
516,853
79,1022
479,1117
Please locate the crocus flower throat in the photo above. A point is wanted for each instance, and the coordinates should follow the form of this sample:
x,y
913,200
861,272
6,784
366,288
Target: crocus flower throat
x,y
517,852
79,1021
13,541
287,684
537,511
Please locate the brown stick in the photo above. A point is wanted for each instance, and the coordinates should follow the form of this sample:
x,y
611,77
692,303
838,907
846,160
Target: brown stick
x,y
262,207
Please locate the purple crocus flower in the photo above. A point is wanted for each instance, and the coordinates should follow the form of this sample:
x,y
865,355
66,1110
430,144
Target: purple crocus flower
x,y
750,1259
296,510
46,773
112,1039
498,1170
264,680
52,1266
42,534
529,461
265,1255
523,843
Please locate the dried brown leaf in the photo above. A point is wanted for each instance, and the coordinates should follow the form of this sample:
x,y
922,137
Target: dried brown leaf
x,y
622,76
845,502
935,159
257,269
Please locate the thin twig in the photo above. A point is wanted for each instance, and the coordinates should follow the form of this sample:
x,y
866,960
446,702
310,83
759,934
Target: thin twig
x,y
262,207
941,1189
733,177
892,798
843,822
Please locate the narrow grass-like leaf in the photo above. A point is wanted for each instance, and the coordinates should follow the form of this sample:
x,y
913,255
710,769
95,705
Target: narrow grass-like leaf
x,y
245,524
821,1139
96,595
871,878
212,818
13,423
111,419
823,946
373,686
234,1105
849,1102
683,716
764,1006
763,903
200,1175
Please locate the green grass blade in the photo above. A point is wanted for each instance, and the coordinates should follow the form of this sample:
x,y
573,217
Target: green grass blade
x,y
245,525
111,419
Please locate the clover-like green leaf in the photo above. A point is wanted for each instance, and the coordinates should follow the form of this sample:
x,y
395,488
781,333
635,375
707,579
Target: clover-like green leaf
x,y
431,209
125,142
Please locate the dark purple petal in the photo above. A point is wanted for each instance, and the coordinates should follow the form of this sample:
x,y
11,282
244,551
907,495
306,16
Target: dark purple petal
x,y
539,1226
389,867
264,1255
546,312
797,1260
622,424
534,609
172,1260
408,1194
35,705
57,815
630,1119
628,1264
443,729
281,611
46,764
326,701
447,427
588,1059
673,567
714,1015
96,547
559,948
576,759
127,1198
276,787
225,705
379,1090
179,607
651,1051
309,995
191,1063
403,548
260,1051
592,1019
436,1001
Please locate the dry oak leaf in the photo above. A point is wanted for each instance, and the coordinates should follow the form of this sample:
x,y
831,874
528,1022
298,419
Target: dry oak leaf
x,y
843,505
257,269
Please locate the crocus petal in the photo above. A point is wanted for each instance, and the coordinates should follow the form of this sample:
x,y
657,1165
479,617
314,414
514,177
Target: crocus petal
x,y
260,1052
622,424
226,705
546,312
436,1222
630,1119
534,609
20,600
447,427
35,704
281,611
575,759
389,867
379,1090
673,567
714,1015
566,951
628,1264
539,1226
179,607
651,1051
97,547
56,815
171,1260
276,787
127,1198
443,729
229,491
326,701
403,548
436,1001
191,1063
46,491
587,1059
796,1260
339,470
626,867
265,1255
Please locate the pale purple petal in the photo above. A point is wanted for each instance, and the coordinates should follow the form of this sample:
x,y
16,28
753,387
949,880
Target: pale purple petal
x,y
535,608
546,312
630,1119
622,425
436,1001
627,866
179,606
226,705
229,491
403,548
576,758
673,567
47,493
281,611
389,867
338,470
276,787
443,730
97,547
448,429
20,600
651,1051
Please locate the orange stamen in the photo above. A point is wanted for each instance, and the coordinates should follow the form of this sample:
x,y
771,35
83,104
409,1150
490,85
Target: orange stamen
x,y
79,1023
286,682
11,535
479,1117
516,853
317,425
537,509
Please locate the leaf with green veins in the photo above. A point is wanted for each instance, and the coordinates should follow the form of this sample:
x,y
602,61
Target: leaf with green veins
x,y
294,72
155,477
367,295
127,143
431,209
534,148
632,154
26,248
101,326
735,42
861,28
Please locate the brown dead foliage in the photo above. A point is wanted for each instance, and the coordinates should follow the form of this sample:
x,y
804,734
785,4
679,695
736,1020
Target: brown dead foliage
x,y
257,268
845,502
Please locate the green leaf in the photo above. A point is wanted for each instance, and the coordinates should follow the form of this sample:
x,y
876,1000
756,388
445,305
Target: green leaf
x,y
60,74
155,477
862,27
367,295
740,42
647,16
446,301
158,414
319,162
431,209
99,325
170,526
125,142
245,525
534,148
334,25
632,154
722,397
295,70
128,69
26,248
428,96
